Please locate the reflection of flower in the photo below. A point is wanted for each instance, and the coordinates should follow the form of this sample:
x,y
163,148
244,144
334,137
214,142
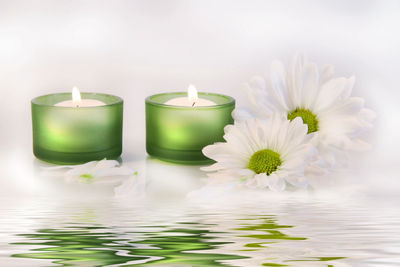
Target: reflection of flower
x,y
263,153
90,172
323,102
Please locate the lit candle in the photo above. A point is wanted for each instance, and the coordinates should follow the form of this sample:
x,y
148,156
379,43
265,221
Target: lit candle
x,y
77,101
192,100
180,124
76,128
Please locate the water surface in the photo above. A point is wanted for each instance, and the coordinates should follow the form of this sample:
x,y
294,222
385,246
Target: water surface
x,y
286,232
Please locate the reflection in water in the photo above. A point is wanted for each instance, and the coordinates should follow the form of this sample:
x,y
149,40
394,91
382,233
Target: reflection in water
x,y
290,233
185,243
184,246
75,246
269,229
267,232
97,246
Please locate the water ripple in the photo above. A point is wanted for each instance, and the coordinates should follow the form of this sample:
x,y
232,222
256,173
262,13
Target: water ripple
x,y
47,233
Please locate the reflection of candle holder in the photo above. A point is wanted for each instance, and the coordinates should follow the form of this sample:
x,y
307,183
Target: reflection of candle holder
x,y
178,134
68,135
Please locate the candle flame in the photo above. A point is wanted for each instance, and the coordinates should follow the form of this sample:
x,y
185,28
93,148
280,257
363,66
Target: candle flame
x,y
76,96
192,94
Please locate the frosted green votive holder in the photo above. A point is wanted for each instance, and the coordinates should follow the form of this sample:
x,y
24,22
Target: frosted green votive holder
x,y
178,134
72,135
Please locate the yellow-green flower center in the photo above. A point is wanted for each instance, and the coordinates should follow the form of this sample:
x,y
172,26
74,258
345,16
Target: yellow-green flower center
x,y
87,176
308,117
265,161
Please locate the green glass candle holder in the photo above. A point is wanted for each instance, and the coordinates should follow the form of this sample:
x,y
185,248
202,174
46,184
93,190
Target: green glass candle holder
x,y
178,134
72,135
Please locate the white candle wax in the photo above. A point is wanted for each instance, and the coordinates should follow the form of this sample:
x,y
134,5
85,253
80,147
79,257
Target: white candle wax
x,y
81,103
186,102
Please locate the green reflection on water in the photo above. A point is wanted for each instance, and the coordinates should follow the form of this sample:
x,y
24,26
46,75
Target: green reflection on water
x,y
322,259
270,232
187,243
79,245
75,246
265,228
175,249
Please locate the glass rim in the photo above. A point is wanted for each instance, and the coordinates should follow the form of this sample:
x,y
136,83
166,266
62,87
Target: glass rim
x,y
118,101
231,101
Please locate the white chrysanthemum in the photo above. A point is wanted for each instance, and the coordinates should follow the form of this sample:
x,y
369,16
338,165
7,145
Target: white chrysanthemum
x,y
322,101
103,171
263,153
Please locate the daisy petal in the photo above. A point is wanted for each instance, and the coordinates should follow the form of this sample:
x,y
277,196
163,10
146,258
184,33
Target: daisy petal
x,y
275,183
329,93
242,114
262,180
82,169
326,74
105,164
278,84
114,171
310,86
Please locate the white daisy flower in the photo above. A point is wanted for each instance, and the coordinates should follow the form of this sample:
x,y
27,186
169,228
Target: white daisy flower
x,y
324,103
103,171
263,153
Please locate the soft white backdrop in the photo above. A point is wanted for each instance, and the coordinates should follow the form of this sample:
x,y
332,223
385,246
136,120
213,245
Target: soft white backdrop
x,y
137,48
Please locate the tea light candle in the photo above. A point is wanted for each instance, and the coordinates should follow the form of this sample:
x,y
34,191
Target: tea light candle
x,y
179,125
77,101
192,100
76,128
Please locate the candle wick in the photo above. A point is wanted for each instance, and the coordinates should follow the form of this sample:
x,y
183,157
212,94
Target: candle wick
x,y
193,104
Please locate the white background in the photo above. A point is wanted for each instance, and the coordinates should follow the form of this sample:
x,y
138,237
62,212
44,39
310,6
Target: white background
x,y
137,48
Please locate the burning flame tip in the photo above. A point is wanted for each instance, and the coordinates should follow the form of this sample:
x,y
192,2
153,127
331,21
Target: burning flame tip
x,y
76,96
192,94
